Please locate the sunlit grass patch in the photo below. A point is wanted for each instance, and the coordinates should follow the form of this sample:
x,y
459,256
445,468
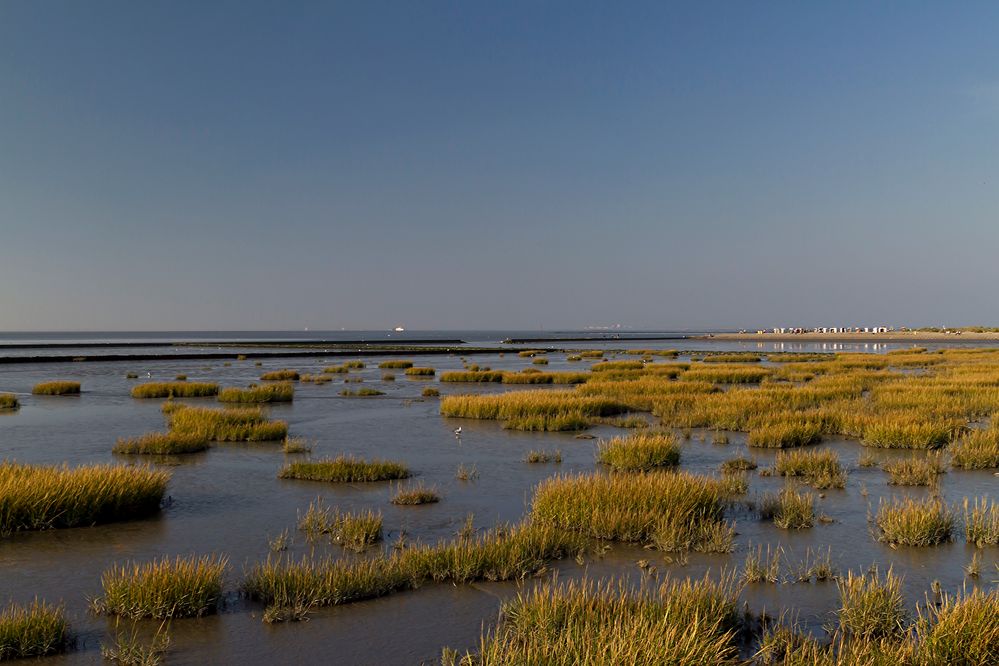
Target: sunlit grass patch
x,y
280,375
472,376
821,469
544,377
281,392
416,494
609,366
38,497
528,403
591,353
420,372
738,464
353,365
760,567
527,353
230,424
387,365
981,522
978,449
9,401
627,507
33,630
540,361
785,434
165,588
564,623
56,388
174,390
543,423
909,522
891,433
162,443
344,469
961,629
915,471
640,452
789,509
871,606
430,392
726,374
336,370
747,357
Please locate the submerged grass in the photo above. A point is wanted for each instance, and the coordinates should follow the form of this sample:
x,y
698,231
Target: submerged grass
x,y
38,497
56,388
281,392
174,390
640,452
344,469
33,630
183,587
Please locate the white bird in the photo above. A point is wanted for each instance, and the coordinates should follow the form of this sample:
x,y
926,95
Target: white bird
x,y
457,431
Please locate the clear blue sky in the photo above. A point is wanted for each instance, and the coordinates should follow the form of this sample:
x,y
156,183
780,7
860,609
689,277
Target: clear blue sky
x,y
245,165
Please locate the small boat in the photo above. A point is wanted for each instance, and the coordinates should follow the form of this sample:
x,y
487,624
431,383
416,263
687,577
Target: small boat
x,y
398,329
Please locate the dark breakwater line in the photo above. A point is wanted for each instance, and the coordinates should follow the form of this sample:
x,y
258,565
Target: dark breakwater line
x,y
219,343
234,356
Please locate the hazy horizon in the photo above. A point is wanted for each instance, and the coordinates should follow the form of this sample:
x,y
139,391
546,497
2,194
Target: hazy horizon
x,y
245,166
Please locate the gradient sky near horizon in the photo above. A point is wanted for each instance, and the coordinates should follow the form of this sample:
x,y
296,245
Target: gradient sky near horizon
x,y
281,165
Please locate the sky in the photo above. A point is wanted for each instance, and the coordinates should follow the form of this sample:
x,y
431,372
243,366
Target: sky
x,y
250,165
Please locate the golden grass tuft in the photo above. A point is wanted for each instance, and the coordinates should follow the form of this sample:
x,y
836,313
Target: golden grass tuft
x,y
38,497
395,364
821,469
56,388
415,495
174,390
162,589
981,522
788,509
420,372
909,522
162,443
344,469
978,449
280,376
640,452
915,471
34,630
230,424
280,392
9,401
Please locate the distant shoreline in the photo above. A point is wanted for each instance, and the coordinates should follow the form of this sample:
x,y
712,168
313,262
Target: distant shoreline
x,y
895,336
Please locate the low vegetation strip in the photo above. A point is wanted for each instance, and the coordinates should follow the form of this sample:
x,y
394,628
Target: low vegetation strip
x,y
162,443
163,589
280,376
38,497
639,453
281,392
344,469
175,390
56,388
239,424
502,554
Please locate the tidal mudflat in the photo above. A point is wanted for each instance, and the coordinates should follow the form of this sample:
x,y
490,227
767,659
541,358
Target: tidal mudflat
x,y
825,505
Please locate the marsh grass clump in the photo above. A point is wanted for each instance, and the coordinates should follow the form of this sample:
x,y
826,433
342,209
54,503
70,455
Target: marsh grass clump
x,y
540,457
130,648
961,629
816,566
180,378
888,433
540,361
785,434
821,469
466,472
174,390
909,522
915,471
336,370
871,607
280,392
591,353
280,376
420,372
537,377
788,509
354,365
628,507
430,392
738,464
981,522
504,553
183,587
639,453
56,388
39,497
33,630
388,377
162,443
533,410
727,374
9,401
417,494
354,531
230,424
703,536
978,449
584,622
344,469
747,357
361,393
395,364
472,376
295,445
